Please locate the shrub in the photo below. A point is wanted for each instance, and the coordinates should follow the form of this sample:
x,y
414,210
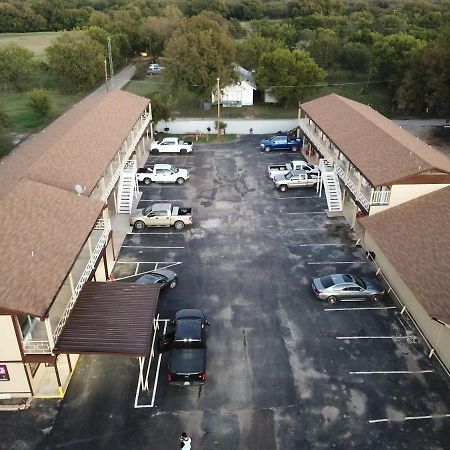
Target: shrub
x,y
40,101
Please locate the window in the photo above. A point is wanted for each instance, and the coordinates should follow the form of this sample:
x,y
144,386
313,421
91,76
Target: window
x,y
4,375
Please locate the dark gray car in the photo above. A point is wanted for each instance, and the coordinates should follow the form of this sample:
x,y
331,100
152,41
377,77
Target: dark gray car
x,y
165,278
337,287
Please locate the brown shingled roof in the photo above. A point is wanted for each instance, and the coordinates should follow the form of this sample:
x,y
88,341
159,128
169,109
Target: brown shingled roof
x,y
111,318
77,147
379,148
415,238
43,231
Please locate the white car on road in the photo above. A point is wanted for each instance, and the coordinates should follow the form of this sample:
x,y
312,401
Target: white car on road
x,y
171,145
162,173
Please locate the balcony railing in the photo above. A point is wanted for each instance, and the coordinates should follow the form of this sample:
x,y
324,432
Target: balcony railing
x,y
85,275
375,198
136,135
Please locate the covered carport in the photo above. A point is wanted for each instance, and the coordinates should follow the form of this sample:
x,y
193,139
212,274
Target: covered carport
x,y
114,318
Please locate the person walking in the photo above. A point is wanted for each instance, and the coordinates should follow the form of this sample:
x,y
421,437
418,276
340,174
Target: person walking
x,y
185,441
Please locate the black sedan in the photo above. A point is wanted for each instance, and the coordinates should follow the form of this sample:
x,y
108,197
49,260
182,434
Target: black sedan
x,y
165,278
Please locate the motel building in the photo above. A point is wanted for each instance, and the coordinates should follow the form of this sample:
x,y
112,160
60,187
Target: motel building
x,y
65,198
393,190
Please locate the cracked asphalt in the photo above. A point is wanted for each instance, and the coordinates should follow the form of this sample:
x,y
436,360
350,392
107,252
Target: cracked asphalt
x,y
279,374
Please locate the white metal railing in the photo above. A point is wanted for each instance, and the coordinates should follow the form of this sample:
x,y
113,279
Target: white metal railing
x,y
84,277
136,134
380,197
36,347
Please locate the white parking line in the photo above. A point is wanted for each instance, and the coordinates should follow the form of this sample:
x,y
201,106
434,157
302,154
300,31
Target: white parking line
x,y
174,234
436,416
336,262
307,229
326,245
394,372
308,213
169,263
144,246
360,309
288,198
345,338
162,201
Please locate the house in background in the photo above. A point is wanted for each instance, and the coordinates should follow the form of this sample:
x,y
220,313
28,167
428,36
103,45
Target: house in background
x,y
238,94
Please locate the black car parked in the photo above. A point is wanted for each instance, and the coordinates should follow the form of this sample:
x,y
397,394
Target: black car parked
x,y
186,342
165,278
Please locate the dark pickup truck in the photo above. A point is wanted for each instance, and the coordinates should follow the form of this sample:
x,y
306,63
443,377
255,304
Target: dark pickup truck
x,y
281,142
187,345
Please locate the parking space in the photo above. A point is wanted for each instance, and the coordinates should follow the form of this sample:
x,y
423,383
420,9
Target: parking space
x,y
284,371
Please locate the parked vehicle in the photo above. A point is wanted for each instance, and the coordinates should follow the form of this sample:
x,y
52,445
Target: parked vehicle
x,y
164,277
295,179
171,145
161,215
283,169
337,287
154,69
162,173
186,343
281,142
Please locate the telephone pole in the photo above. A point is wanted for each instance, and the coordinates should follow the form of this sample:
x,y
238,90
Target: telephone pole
x,y
218,108
111,69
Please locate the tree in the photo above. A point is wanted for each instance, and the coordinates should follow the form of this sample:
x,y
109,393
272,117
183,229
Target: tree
x,y
200,51
154,32
76,60
5,140
277,31
393,55
289,75
249,51
163,107
354,57
324,47
39,101
16,65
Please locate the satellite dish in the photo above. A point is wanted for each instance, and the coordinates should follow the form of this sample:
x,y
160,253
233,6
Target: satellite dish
x,y
79,189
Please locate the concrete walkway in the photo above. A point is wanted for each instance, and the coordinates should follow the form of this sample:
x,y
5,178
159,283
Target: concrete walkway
x,y
117,82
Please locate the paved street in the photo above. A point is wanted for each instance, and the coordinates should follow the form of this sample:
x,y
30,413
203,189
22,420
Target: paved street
x,y
283,370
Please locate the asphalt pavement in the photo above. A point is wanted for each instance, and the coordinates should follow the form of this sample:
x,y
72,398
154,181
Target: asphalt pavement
x,y
284,371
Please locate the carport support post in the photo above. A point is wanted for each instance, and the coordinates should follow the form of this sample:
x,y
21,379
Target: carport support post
x,y
298,120
48,328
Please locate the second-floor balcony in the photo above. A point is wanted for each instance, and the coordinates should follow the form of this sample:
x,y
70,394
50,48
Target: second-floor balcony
x,y
39,336
361,190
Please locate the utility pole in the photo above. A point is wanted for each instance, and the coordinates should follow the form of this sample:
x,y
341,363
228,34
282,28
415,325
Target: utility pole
x,y
106,76
218,108
111,68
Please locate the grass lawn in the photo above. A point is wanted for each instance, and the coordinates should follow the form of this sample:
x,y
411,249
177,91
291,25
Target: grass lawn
x,y
23,119
36,42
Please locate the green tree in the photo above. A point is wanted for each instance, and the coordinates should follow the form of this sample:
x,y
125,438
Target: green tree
x,y
245,9
249,50
289,75
16,65
154,32
5,139
76,60
355,57
40,101
163,107
393,55
277,31
200,51
325,47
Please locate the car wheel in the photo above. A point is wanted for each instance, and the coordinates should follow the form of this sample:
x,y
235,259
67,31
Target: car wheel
x,y
139,225
283,188
147,181
155,151
173,284
294,148
267,149
183,151
180,180
179,225
375,298
332,299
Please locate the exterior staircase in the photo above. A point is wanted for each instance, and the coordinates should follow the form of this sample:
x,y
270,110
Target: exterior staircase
x,y
330,181
127,187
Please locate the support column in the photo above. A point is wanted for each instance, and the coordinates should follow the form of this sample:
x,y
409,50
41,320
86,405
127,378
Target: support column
x,y
48,328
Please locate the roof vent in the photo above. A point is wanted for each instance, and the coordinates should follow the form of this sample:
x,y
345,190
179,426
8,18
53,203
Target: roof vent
x,y
79,189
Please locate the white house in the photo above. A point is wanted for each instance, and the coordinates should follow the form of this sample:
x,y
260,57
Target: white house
x,y
238,94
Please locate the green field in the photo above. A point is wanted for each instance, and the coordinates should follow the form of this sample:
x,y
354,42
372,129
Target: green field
x,y
23,119
36,42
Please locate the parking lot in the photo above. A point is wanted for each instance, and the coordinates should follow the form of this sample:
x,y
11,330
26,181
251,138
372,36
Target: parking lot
x,y
284,371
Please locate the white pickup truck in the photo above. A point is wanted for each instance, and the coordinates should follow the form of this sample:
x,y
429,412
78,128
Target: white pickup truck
x,y
283,169
162,173
171,145
295,179
161,215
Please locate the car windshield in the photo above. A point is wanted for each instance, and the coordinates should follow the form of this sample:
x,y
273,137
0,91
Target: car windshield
x,y
360,282
174,169
289,175
147,210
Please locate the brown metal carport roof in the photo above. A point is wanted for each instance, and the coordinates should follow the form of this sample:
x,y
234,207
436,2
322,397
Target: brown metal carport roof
x,y
111,318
